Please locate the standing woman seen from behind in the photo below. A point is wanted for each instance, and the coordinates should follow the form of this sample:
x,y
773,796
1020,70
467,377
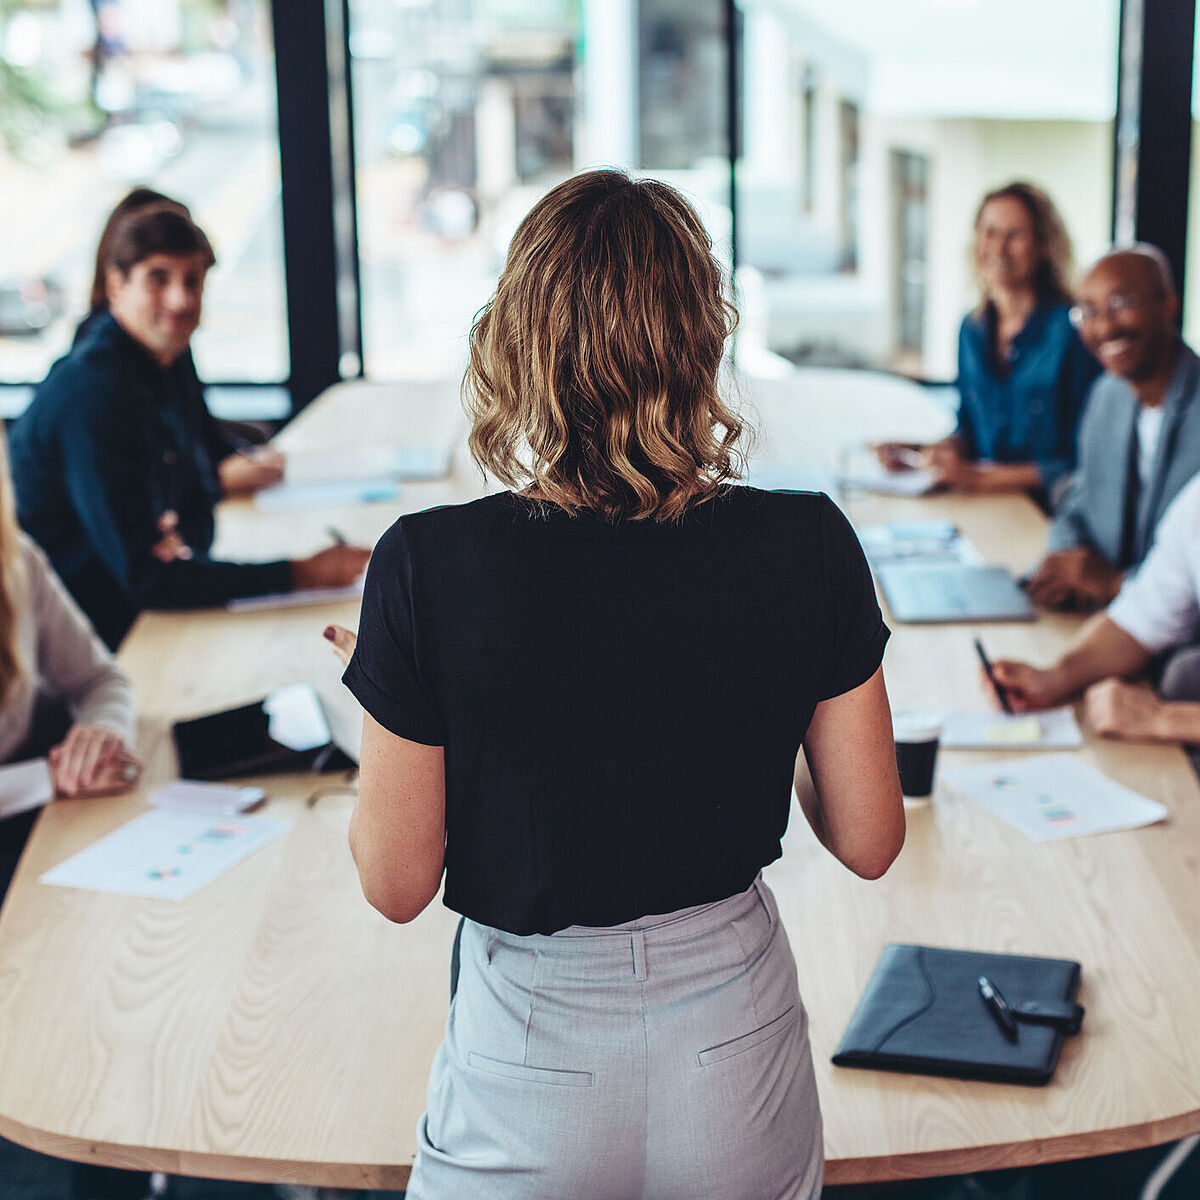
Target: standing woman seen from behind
x,y
1023,373
61,694
585,699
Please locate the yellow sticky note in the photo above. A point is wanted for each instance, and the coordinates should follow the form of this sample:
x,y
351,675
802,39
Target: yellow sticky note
x,y
1019,732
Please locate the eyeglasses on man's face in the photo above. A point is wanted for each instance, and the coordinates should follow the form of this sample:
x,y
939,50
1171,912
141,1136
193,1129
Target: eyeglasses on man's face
x,y
1112,308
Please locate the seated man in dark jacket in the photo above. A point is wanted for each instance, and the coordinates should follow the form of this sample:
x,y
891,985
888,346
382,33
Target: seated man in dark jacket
x,y
111,471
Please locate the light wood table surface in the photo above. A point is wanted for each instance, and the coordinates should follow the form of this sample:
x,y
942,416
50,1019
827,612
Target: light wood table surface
x,y
274,1027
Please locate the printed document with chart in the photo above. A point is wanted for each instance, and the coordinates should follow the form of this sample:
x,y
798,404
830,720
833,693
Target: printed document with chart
x,y
1053,796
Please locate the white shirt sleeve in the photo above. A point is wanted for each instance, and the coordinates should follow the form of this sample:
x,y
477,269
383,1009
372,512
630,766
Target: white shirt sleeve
x,y
72,661
1160,605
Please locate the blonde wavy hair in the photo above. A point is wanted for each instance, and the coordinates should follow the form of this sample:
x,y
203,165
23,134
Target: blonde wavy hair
x,y
592,380
11,668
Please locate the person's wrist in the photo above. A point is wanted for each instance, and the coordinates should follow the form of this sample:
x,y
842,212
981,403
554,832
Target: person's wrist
x,y
1175,721
1115,579
1062,680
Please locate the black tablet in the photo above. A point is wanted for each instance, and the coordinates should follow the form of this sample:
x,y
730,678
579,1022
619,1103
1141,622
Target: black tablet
x,y
285,731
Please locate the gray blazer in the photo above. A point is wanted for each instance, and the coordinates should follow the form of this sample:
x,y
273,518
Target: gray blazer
x,y
1092,510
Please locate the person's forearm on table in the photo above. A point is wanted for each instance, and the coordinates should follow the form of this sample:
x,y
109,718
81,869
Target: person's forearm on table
x,y
1177,721
1102,649
1006,477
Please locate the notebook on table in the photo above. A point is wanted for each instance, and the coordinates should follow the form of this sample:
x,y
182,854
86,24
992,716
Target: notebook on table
x,y
923,1012
935,592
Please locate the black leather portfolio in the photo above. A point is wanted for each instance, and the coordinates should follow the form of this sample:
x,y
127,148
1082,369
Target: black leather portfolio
x,y
925,1010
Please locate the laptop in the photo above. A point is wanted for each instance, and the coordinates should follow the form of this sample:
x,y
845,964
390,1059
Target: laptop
x,y
936,592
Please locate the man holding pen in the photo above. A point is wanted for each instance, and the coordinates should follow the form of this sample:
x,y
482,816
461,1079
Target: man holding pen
x,y
1157,609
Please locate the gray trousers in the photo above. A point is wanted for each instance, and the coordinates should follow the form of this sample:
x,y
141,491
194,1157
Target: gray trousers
x,y
664,1058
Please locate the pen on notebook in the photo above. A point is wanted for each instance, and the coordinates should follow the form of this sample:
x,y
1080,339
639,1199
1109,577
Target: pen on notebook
x,y
998,1007
997,687
339,538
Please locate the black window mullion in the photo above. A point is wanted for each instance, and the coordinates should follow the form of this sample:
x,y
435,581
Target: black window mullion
x,y
306,177
1153,138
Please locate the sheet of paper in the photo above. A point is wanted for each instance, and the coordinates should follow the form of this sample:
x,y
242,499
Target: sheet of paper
x,y
332,492
1054,729
863,471
368,463
206,799
1053,796
917,541
164,854
298,599
24,785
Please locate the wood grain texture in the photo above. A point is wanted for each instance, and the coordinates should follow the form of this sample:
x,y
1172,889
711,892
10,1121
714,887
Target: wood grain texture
x,y
274,1027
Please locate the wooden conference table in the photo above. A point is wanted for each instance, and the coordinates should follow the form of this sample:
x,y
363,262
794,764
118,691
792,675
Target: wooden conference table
x,y
274,1027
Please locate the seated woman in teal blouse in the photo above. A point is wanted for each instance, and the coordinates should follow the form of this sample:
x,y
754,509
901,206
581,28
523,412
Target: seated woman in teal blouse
x,y
1023,373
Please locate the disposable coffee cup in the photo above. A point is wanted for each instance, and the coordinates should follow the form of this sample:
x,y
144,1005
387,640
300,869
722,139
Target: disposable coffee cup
x,y
917,736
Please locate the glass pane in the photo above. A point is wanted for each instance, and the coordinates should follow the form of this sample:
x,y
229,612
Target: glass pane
x,y
1190,289
467,111
98,96
871,130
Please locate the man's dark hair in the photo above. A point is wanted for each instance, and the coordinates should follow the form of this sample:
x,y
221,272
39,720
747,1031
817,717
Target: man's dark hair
x,y
140,198
158,229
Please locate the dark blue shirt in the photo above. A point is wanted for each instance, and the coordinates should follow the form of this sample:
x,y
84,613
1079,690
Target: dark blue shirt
x,y
1027,408
110,442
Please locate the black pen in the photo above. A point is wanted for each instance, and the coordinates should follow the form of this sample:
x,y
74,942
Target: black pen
x,y
998,688
339,538
998,1007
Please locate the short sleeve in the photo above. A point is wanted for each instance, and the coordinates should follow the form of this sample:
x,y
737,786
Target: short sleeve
x,y
385,672
859,634
1158,606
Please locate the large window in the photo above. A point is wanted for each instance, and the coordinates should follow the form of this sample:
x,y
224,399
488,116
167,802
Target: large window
x,y
1190,286
467,111
97,96
868,130
873,127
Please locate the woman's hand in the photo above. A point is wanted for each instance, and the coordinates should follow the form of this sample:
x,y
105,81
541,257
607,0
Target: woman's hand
x,y
343,642
92,761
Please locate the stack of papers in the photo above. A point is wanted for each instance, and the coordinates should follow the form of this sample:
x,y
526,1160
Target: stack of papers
x,y
1052,797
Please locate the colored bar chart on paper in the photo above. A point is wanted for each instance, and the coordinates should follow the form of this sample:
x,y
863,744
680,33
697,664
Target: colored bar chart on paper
x,y
165,854
1053,796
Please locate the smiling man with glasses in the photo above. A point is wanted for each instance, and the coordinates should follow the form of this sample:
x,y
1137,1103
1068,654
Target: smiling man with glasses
x,y
1139,439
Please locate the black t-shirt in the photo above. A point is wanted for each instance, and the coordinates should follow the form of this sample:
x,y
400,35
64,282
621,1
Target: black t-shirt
x,y
620,704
